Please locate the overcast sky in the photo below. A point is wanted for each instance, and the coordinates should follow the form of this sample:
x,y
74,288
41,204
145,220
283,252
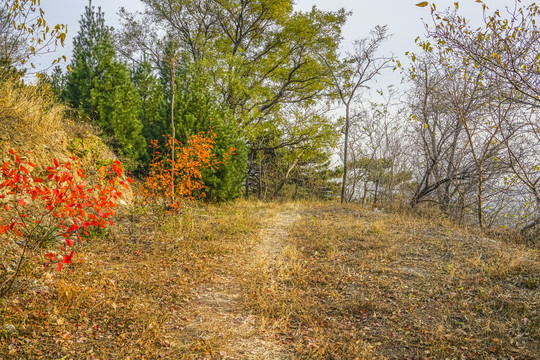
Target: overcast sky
x,y
404,19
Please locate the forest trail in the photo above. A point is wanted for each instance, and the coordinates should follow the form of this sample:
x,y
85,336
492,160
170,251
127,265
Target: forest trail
x,y
253,280
217,319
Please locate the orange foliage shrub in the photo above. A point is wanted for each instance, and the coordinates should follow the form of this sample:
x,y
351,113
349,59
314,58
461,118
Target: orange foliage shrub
x,y
171,181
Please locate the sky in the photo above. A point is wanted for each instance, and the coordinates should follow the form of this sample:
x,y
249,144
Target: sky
x,y
404,19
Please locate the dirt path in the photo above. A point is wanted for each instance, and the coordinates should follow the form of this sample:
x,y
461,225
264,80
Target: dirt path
x,y
217,319
274,234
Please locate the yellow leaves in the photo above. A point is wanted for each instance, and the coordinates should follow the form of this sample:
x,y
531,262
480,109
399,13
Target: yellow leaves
x,y
422,4
28,21
498,57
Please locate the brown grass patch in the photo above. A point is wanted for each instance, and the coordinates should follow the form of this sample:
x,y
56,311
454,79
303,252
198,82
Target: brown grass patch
x,y
353,283
281,281
132,292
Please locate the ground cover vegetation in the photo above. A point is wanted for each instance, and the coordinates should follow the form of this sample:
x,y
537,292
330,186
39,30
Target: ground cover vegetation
x,y
118,230
282,281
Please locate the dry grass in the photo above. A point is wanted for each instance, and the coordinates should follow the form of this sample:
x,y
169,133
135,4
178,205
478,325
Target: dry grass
x,y
287,281
351,283
32,120
131,294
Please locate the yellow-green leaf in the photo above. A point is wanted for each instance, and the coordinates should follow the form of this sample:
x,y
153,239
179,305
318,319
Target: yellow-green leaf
x,y
422,4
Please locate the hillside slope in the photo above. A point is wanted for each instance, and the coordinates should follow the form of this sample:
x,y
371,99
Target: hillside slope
x,y
32,120
282,281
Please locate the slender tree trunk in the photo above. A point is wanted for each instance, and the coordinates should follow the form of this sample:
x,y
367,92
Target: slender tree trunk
x,y
173,79
247,177
376,191
260,180
480,197
345,149
6,286
289,169
364,196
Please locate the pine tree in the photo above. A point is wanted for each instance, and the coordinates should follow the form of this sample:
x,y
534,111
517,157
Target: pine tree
x,y
80,81
152,109
117,103
100,86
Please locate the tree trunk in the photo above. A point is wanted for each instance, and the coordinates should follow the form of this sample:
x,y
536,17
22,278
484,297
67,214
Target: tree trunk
x,y
260,180
480,197
289,169
247,177
376,191
173,73
364,196
345,149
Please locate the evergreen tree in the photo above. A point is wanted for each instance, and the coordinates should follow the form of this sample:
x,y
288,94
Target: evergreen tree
x,y
152,110
80,81
100,86
117,103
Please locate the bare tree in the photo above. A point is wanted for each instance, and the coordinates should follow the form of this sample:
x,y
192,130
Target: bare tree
x,y
356,70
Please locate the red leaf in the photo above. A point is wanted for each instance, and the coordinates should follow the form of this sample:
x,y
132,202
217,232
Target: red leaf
x,y
117,170
12,152
38,180
51,256
69,242
56,163
74,227
67,258
6,207
59,266
21,202
130,180
3,229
